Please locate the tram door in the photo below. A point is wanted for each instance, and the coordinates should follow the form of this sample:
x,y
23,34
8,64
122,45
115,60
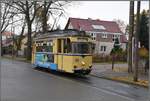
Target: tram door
x,y
63,47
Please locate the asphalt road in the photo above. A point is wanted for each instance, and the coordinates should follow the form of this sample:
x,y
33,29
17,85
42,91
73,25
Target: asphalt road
x,y
20,82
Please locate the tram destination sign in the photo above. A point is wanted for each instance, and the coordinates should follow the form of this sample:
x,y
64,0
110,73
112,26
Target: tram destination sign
x,y
83,39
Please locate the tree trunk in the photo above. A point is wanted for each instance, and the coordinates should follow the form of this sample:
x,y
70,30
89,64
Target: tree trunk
x,y
21,37
1,47
29,39
113,61
44,25
131,30
29,43
1,50
136,42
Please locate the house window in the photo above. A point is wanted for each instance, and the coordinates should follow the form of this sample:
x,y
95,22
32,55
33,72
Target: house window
x,y
115,36
104,35
93,36
103,48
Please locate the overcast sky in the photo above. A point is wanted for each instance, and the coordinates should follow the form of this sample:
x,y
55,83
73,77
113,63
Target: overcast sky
x,y
103,10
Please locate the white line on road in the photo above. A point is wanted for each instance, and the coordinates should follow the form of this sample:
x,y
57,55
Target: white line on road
x,y
99,89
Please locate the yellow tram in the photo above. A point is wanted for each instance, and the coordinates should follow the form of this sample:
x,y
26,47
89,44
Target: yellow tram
x,y
63,50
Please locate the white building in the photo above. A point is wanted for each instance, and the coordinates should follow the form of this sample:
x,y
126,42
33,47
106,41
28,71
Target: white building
x,y
103,33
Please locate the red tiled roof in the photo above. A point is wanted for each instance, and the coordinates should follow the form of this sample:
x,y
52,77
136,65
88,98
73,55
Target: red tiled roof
x,y
123,39
7,42
7,33
86,25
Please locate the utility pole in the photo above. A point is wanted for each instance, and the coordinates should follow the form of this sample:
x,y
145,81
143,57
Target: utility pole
x,y
131,30
0,33
136,59
12,36
0,43
149,43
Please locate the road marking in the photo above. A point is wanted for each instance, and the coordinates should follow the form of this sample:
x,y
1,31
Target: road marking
x,y
124,85
117,91
111,93
99,89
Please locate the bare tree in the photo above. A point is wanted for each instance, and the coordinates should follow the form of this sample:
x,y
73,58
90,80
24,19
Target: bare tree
x,y
28,9
53,10
121,24
5,16
18,40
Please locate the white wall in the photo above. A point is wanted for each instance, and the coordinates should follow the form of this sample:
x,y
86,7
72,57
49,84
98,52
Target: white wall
x,y
109,46
70,26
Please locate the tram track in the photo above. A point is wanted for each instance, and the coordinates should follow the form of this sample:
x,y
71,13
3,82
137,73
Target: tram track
x,y
93,82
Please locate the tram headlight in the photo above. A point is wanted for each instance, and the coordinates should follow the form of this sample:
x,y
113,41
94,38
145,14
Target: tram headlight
x,y
83,63
90,66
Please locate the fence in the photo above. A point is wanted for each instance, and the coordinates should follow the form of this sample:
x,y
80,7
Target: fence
x,y
108,58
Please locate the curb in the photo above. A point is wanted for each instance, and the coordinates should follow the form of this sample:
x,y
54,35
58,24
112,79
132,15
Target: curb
x,y
94,75
16,59
121,81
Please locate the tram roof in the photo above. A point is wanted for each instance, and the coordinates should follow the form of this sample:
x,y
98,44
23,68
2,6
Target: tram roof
x,y
60,33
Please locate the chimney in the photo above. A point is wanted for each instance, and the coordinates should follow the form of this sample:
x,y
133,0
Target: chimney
x,y
98,19
89,18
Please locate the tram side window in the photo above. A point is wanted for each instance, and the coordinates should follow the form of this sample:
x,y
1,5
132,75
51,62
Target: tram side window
x,y
48,48
45,57
59,46
50,57
67,46
44,48
39,48
64,45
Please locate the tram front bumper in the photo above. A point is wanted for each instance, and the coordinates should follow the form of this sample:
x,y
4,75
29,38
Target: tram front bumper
x,y
82,71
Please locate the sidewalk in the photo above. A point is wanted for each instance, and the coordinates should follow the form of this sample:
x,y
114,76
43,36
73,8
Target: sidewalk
x,y
104,70
120,73
16,58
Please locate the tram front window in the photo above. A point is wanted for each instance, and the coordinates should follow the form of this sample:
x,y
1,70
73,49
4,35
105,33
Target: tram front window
x,y
82,48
